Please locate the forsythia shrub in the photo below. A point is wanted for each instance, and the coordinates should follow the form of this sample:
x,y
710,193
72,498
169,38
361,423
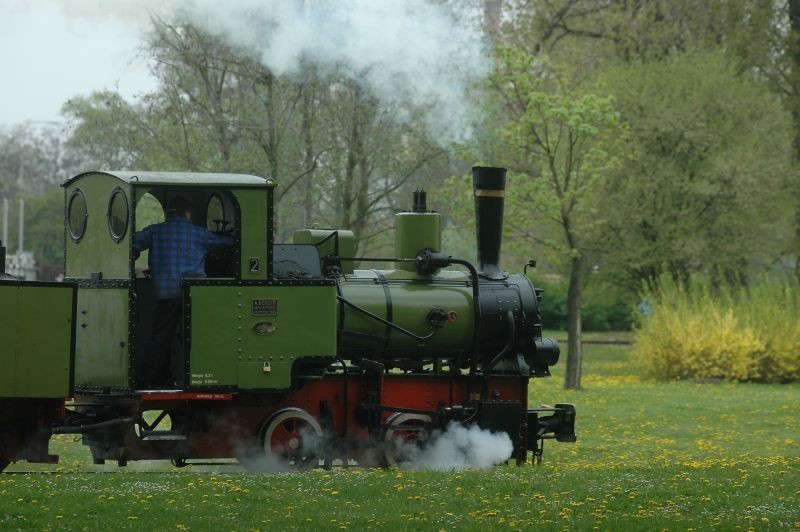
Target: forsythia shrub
x,y
744,335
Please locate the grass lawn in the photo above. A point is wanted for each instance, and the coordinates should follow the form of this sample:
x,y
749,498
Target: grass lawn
x,y
650,456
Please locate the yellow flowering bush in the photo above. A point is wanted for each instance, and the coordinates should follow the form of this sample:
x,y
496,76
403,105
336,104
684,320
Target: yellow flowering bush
x,y
744,335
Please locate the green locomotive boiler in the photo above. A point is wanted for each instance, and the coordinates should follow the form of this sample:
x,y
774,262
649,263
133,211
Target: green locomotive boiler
x,y
284,352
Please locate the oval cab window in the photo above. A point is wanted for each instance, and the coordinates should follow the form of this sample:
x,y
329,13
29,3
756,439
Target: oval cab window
x,y
215,214
118,214
77,215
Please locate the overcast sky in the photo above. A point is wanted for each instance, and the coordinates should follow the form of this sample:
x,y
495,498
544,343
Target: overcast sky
x,y
52,50
410,53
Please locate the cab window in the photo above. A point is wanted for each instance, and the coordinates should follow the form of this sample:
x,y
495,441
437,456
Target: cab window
x,y
77,215
215,214
148,212
118,215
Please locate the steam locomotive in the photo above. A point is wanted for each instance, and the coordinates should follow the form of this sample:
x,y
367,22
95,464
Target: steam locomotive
x,y
285,353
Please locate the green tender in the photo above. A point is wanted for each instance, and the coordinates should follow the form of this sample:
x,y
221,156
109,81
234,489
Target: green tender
x,y
36,331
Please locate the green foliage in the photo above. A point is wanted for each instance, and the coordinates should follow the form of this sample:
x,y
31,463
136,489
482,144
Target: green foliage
x,y
33,158
560,141
710,183
590,33
101,130
553,303
695,332
604,308
44,228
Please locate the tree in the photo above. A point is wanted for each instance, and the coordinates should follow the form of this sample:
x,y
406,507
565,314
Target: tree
x,y
710,185
760,37
596,32
44,235
336,151
102,130
33,157
562,143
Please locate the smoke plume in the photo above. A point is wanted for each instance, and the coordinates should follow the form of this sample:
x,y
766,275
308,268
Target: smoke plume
x,y
456,448
413,55
410,54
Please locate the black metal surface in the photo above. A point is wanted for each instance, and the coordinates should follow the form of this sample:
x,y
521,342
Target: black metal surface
x,y
296,261
489,185
200,281
560,425
99,282
503,416
546,354
429,262
270,230
420,201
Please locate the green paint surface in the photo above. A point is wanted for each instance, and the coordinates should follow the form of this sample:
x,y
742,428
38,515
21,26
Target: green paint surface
x,y
414,232
254,227
36,331
328,246
231,342
101,351
411,303
97,251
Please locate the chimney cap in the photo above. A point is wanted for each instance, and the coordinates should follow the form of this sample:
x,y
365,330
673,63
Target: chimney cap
x,y
489,177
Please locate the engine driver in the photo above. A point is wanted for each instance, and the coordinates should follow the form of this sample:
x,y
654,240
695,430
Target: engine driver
x,y
178,249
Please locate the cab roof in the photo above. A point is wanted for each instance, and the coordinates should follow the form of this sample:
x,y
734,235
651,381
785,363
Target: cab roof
x,y
180,179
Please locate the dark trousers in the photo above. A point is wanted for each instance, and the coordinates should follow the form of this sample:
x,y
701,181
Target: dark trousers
x,y
157,371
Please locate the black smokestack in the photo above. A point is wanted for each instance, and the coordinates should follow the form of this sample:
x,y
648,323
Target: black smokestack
x,y
420,201
489,185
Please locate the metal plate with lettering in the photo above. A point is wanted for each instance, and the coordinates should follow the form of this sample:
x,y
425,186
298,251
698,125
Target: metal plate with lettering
x,y
265,307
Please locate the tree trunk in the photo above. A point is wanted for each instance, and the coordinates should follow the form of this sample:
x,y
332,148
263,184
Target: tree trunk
x,y
574,354
492,14
308,155
353,163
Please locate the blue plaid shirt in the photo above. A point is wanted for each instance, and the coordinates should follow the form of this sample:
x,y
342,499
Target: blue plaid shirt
x,y
177,249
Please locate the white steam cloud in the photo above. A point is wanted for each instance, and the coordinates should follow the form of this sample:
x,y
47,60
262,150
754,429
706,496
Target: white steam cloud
x,y
456,448
411,54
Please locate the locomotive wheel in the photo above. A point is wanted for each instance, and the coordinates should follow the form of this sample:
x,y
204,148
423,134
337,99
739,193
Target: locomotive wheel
x,y
290,441
403,431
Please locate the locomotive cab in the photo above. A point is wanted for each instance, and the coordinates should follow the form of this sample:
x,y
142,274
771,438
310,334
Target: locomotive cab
x,y
116,300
